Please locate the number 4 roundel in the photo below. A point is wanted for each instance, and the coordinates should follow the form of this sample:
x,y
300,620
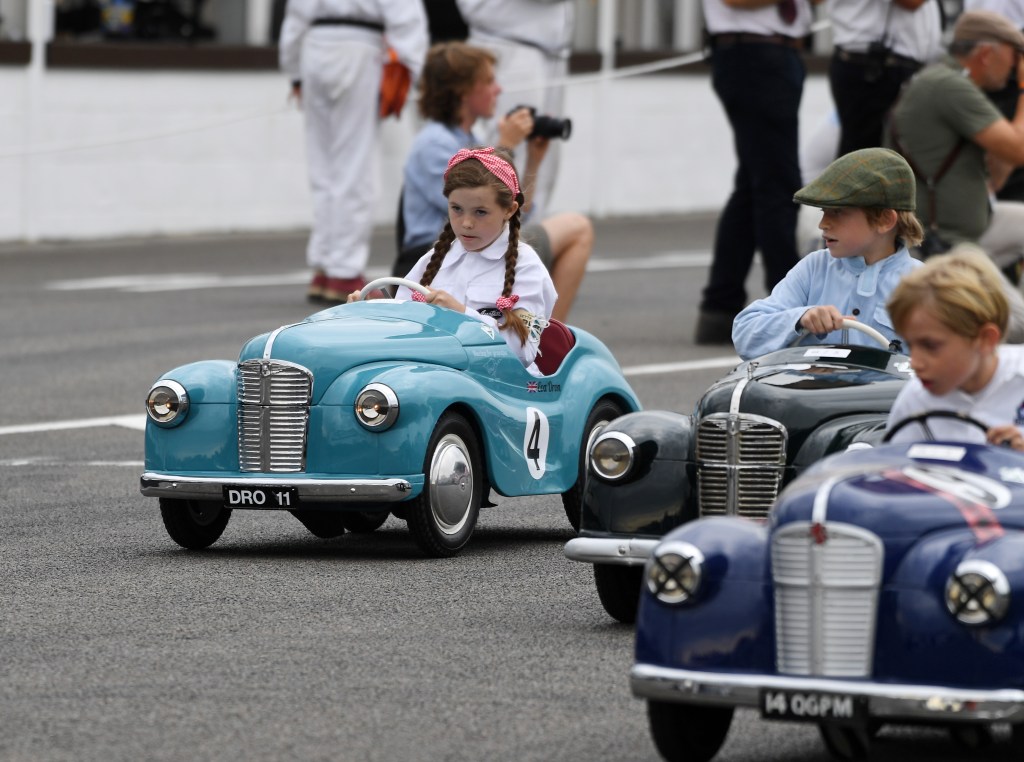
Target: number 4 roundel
x,y
535,442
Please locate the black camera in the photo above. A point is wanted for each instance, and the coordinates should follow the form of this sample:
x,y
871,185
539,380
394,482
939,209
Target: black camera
x,y
547,126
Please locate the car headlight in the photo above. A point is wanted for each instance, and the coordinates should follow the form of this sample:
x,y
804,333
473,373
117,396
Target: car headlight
x,y
167,402
612,456
377,407
977,593
675,572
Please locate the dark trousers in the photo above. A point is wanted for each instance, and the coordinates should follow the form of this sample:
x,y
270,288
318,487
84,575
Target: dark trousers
x,y
760,86
863,95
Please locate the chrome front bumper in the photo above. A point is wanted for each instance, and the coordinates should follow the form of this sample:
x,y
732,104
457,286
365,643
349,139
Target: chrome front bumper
x,y
885,700
623,551
309,490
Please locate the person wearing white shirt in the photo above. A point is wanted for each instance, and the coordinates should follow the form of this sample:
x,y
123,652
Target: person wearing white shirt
x,y
879,45
953,313
333,52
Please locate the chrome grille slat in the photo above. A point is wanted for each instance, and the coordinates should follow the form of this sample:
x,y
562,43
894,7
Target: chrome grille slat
x,y
826,597
740,462
273,416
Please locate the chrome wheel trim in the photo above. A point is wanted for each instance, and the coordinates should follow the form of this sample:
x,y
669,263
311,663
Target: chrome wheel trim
x,y
451,484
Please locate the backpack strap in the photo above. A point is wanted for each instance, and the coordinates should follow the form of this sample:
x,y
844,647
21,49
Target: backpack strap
x,y
932,181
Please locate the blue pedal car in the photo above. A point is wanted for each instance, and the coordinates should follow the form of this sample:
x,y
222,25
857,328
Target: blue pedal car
x,y
887,586
376,408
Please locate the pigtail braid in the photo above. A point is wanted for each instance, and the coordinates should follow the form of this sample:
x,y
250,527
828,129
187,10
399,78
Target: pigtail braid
x,y
512,321
441,248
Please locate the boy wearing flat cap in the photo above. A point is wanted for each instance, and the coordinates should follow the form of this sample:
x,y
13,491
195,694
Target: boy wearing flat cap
x,y
867,199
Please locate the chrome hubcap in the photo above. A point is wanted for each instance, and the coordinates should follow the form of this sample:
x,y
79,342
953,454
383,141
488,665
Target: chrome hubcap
x,y
451,484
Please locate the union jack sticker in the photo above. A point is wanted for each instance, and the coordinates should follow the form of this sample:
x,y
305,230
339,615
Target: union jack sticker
x,y
531,386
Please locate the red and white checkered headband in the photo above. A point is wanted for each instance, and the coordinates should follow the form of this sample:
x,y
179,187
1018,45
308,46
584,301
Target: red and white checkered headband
x,y
496,165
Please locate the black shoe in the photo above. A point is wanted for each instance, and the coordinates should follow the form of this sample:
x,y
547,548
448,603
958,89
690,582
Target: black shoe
x,y
714,328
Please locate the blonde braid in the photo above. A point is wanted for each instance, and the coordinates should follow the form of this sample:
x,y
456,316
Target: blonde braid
x,y
441,248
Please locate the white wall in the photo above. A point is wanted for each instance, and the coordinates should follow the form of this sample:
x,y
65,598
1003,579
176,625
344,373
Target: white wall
x,y
91,154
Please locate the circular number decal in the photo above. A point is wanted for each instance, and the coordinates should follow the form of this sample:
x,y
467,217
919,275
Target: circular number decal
x,y
535,442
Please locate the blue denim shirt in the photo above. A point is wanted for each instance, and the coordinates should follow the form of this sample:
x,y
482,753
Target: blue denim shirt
x,y
849,284
424,207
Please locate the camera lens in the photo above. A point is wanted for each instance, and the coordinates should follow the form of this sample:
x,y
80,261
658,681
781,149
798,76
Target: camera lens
x,y
550,127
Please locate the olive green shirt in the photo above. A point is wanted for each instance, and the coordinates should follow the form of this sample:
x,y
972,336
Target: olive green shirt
x,y
939,107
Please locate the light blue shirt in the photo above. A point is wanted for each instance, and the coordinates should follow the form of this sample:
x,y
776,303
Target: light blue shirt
x,y
849,284
424,207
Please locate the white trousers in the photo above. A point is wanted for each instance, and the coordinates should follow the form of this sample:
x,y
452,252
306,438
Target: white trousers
x,y
526,75
340,92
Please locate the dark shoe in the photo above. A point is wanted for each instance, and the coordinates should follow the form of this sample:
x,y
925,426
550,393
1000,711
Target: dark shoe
x,y
316,286
337,289
714,328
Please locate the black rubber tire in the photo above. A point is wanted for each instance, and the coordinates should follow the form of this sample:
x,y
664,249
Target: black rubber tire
x,y
618,587
603,413
322,524
845,741
440,525
364,522
194,524
688,732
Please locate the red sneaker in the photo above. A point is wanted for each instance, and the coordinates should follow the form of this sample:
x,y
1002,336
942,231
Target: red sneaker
x,y
317,286
338,289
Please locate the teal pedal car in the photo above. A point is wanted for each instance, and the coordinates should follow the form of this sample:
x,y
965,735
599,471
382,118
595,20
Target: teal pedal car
x,y
373,409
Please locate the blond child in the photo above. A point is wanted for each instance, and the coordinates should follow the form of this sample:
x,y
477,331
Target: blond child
x,y
953,313
867,199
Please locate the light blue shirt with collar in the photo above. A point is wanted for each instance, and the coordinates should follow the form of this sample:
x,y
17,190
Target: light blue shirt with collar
x,y
424,207
849,284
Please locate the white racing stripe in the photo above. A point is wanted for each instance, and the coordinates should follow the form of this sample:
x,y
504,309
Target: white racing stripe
x,y
138,422
147,284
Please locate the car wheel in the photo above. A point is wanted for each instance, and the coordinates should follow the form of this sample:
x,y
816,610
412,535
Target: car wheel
x,y
618,587
444,515
364,522
845,741
688,732
322,524
194,524
603,413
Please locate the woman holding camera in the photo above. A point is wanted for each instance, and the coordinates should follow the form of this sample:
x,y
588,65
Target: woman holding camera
x,y
458,87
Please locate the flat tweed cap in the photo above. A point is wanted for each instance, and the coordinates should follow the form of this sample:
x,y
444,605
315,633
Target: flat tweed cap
x,y
870,177
987,26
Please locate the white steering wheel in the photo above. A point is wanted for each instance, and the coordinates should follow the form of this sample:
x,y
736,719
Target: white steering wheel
x,y
390,280
855,325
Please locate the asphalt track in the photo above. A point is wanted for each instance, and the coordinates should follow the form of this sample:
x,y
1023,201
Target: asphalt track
x,y
115,644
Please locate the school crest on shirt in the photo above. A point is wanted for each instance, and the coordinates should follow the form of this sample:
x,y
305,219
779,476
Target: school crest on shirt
x,y
493,312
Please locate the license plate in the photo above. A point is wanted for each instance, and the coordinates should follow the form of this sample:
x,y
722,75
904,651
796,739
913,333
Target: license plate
x,y
272,498
813,706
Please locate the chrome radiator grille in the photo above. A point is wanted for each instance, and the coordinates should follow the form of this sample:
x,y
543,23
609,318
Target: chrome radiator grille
x,y
273,409
740,461
826,596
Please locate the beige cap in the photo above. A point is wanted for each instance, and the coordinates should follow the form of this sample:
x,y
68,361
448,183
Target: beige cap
x,y
987,26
